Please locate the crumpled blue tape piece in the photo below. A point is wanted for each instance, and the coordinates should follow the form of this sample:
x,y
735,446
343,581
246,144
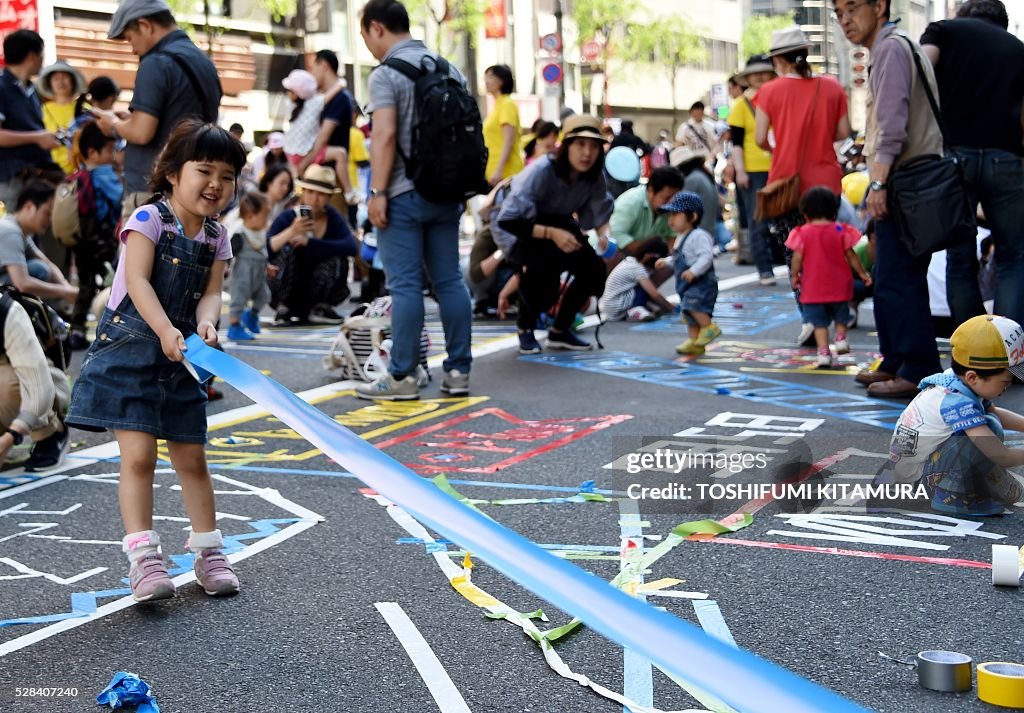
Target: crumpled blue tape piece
x,y
588,486
738,678
127,689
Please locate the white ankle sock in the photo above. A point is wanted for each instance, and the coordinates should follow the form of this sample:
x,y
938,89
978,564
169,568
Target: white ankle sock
x,y
200,541
139,544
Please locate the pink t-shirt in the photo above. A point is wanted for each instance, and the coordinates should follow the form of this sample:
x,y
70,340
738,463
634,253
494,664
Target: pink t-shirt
x,y
825,276
146,220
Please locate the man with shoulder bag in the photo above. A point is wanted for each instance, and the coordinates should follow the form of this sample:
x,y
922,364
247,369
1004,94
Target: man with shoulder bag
x,y
901,129
971,54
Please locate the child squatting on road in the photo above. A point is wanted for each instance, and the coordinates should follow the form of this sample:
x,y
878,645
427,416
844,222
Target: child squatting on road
x,y
950,437
133,382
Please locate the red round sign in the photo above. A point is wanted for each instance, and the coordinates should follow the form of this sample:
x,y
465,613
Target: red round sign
x,y
591,50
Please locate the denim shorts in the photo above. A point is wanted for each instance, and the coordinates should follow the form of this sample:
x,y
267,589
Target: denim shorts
x,y
698,296
823,314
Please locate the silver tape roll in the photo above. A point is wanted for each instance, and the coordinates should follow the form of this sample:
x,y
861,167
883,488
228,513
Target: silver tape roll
x,y
1006,569
946,671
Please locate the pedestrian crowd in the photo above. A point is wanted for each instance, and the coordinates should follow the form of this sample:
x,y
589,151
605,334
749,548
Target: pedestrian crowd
x,y
143,216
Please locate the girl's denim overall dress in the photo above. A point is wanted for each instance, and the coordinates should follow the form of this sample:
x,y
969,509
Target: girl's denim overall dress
x,y
127,383
699,295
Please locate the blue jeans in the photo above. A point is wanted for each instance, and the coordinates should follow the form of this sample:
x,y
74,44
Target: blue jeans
x,y
902,313
995,178
760,236
36,268
424,234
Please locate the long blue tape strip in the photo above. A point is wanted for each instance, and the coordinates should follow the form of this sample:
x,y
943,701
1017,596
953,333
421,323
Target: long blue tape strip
x,y
742,680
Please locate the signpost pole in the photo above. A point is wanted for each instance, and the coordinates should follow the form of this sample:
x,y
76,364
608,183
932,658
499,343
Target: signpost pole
x,y
561,53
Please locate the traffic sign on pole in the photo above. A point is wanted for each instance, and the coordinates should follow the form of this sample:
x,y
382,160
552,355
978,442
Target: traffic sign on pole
x,y
551,43
552,73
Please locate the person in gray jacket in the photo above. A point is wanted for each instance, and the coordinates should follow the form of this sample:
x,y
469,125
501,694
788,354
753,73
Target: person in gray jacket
x,y
541,228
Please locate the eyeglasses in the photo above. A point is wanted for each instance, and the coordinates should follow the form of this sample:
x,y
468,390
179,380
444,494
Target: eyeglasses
x,y
848,12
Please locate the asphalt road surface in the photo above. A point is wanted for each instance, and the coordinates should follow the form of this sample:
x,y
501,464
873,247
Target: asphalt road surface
x,y
813,587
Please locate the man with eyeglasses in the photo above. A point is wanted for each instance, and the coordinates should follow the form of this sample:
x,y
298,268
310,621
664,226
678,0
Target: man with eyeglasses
x,y
900,126
979,64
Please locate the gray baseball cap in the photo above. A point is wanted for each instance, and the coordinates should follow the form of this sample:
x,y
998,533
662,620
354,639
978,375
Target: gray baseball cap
x,y
130,10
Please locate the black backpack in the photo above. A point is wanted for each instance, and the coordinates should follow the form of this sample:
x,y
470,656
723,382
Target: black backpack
x,y
51,330
449,160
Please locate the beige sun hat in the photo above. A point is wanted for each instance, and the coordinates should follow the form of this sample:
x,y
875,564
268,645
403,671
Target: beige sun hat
x,y
788,40
319,178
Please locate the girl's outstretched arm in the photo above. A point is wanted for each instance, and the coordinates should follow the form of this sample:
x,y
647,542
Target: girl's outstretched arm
x,y
138,268
208,309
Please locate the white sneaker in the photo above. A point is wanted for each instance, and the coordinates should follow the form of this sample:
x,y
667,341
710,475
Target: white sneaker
x,y
387,388
823,361
455,383
806,334
638,314
842,346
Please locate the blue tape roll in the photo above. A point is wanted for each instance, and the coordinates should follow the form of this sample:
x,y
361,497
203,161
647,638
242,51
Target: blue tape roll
x,y
744,681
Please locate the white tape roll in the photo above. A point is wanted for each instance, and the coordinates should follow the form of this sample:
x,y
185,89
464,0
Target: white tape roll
x,y
1006,570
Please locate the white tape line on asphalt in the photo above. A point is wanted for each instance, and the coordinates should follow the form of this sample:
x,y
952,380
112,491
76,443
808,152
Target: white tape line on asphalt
x,y
445,694
308,519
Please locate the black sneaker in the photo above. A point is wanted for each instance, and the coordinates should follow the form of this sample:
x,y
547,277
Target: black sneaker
x,y
567,340
285,318
78,341
324,314
48,453
528,343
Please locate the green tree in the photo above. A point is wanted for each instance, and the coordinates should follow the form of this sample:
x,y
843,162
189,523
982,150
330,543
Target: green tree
x,y
757,35
180,8
452,19
606,22
669,43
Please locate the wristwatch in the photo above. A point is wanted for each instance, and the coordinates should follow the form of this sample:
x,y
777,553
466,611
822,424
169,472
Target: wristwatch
x,y
18,437
877,185
374,192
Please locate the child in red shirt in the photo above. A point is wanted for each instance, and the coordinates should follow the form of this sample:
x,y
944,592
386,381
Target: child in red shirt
x,y
822,258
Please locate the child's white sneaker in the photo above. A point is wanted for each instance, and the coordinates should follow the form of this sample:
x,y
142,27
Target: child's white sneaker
x,y
842,346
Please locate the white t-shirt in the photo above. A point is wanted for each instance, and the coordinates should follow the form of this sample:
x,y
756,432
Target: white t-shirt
x,y
620,288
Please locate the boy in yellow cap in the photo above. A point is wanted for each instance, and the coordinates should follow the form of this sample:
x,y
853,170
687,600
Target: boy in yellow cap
x,y
950,437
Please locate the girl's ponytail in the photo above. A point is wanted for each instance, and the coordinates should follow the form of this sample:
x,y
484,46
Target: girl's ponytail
x,y
299,103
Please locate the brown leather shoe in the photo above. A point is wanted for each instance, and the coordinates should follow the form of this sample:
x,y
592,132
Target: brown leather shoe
x,y
898,388
868,377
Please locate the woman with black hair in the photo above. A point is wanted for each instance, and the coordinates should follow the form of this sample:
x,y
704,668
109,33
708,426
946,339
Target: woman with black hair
x,y
279,186
502,129
541,227
544,140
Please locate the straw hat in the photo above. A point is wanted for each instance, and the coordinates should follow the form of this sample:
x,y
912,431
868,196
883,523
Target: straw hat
x,y
788,40
582,126
684,157
319,178
755,64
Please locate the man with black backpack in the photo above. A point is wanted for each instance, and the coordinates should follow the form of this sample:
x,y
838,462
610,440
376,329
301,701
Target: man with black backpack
x,y
427,157
176,80
34,391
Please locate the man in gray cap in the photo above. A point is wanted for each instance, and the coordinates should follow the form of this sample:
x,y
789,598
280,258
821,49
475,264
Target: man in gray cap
x,y
176,80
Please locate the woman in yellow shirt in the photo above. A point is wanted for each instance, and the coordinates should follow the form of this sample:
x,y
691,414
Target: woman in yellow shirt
x,y
61,84
502,130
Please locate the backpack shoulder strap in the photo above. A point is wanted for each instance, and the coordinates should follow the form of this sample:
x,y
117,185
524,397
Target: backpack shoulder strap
x,y
406,68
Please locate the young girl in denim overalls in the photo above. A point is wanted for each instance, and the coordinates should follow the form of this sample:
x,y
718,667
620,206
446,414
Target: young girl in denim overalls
x,y
133,380
693,260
